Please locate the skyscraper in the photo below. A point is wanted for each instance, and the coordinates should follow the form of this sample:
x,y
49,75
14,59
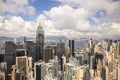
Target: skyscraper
x,y
31,49
40,43
60,49
91,46
39,70
22,70
9,56
48,54
71,48
2,51
118,48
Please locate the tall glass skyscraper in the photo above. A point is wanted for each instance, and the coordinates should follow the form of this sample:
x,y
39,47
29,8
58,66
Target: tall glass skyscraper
x,y
40,43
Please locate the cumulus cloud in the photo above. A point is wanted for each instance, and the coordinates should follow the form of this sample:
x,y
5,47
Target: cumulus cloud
x,y
104,14
73,23
65,17
16,7
93,6
88,19
16,26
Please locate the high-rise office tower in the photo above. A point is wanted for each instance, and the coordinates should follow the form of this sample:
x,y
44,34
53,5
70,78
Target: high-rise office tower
x,y
22,70
48,54
55,63
91,46
2,51
40,43
63,65
71,48
78,73
68,72
99,67
39,70
2,75
109,41
118,71
91,43
3,70
118,48
60,50
31,49
114,49
9,56
105,73
92,62
25,41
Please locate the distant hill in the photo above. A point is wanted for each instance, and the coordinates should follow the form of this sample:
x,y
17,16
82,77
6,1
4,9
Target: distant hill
x,y
49,38
55,38
4,38
78,43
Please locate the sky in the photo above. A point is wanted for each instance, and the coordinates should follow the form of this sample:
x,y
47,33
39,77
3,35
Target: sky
x,y
73,19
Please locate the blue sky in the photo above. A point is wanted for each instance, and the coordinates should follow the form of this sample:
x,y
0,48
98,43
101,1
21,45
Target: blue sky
x,y
69,18
40,6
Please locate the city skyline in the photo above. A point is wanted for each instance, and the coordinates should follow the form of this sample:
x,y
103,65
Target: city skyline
x,y
59,60
67,18
59,40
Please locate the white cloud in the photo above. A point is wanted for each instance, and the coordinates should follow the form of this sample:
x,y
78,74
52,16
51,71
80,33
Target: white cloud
x,y
16,7
65,20
65,17
72,23
16,26
110,6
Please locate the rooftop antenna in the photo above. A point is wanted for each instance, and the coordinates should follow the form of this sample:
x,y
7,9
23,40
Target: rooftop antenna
x,y
39,24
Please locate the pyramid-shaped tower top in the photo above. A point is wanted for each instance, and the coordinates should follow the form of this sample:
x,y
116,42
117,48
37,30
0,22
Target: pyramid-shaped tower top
x,y
40,28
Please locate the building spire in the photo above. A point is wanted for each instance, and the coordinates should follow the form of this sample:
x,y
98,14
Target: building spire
x,y
39,24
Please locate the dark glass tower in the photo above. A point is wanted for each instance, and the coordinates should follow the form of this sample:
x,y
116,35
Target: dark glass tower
x,y
40,43
71,48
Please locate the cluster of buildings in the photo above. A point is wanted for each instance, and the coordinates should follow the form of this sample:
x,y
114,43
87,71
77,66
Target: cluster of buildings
x,y
40,60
